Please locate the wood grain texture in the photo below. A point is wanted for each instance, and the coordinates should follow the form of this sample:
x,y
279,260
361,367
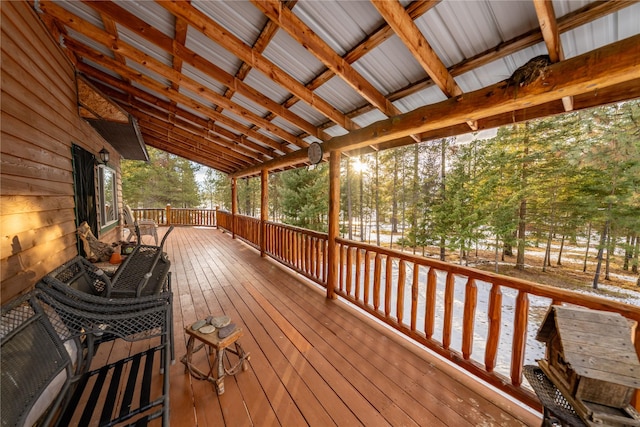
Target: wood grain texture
x,y
40,122
313,362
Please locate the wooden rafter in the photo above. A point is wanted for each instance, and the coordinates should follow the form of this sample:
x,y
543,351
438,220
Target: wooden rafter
x,y
614,64
179,51
96,57
128,51
236,46
551,36
200,140
373,40
192,109
406,29
155,106
568,22
297,29
266,35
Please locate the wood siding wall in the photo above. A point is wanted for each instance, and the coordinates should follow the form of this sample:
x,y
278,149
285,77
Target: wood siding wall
x,y
39,123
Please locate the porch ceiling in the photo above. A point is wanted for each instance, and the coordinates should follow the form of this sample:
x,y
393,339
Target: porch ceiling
x,y
237,85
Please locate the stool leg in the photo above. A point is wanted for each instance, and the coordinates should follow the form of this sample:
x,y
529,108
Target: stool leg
x,y
188,356
220,374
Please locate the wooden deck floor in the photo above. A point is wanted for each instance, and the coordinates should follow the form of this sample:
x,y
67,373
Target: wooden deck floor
x,y
313,361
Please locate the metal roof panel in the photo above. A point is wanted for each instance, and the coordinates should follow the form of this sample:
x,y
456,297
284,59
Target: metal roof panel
x,y
211,51
294,59
240,18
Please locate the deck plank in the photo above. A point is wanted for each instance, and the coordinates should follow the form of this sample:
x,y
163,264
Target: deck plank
x,y
313,361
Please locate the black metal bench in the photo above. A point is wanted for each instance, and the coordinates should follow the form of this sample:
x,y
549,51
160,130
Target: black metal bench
x,y
48,338
143,272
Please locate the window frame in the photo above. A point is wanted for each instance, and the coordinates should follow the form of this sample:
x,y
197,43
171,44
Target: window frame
x,y
107,192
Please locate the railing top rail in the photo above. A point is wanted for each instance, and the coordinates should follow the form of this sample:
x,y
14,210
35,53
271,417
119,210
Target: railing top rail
x,y
247,217
317,234
590,301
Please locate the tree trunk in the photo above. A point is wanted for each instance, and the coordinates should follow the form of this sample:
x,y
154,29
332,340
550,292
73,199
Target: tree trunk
x,y
522,217
496,253
394,197
414,196
522,228
404,205
377,200
361,179
547,251
634,264
559,262
609,250
443,191
628,251
603,240
349,206
586,252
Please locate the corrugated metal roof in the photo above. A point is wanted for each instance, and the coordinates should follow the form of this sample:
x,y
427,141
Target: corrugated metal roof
x,y
484,31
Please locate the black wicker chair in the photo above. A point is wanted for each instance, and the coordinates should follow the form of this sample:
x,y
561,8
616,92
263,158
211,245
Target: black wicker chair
x,y
36,367
45,326
82,275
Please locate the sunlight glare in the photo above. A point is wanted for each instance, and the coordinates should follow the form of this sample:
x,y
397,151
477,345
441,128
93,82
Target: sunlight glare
x,y
358,166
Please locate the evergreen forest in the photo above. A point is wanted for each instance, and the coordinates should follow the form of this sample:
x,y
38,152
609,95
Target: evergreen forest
x,y
572,179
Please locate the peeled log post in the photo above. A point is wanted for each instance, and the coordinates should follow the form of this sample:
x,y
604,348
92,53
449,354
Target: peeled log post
x,y
376,281
448,310
349,268
387,286
414,296
358,274
334,223
430,306
495,320
521,319
470,302
400,296
367,277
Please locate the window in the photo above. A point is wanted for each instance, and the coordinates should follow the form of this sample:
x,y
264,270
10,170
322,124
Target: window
x,y
107,200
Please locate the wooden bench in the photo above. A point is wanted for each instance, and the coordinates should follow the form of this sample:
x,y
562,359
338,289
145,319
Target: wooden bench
x,y
48,338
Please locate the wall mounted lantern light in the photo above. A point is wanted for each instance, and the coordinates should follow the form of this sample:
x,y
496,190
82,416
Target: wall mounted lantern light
x,y
104,155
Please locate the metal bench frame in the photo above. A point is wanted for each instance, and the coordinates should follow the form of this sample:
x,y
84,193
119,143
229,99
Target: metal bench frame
x,y
34,329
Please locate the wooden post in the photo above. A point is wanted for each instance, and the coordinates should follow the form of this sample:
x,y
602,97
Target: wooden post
x,y
264,210
334,226
234,207
635,401
168,214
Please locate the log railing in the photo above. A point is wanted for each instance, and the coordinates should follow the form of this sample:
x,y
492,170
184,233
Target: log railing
x,y
224,220
248,229
177,216
302,250
158,215
471,317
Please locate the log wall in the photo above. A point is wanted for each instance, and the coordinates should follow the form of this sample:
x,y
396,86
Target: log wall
x,y
39,124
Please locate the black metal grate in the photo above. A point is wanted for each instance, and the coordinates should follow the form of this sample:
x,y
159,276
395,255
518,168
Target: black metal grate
x,y
32,357
551,398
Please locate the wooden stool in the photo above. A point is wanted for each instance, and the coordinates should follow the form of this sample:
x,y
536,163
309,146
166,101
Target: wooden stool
x,y
221,347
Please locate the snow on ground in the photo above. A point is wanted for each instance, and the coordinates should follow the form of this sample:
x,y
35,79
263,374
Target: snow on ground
x,y
538,307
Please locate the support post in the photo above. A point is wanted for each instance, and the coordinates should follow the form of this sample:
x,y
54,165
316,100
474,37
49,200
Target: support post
x,y
168,214
264,210
234,207
334,225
